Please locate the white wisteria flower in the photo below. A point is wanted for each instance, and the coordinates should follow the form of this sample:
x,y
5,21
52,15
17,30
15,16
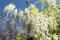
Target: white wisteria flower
x,y
52,3
15,12
42,25
9,8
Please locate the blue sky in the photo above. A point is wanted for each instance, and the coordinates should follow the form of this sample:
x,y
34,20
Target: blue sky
x,y
19,4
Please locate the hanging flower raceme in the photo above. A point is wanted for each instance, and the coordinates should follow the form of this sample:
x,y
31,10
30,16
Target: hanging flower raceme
x,y
42,25
9,8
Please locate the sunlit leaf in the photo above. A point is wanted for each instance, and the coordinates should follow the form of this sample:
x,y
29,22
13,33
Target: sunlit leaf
x,y
36,10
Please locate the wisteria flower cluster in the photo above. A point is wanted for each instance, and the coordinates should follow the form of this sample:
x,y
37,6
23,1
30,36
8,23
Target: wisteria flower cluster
x,y
43,25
